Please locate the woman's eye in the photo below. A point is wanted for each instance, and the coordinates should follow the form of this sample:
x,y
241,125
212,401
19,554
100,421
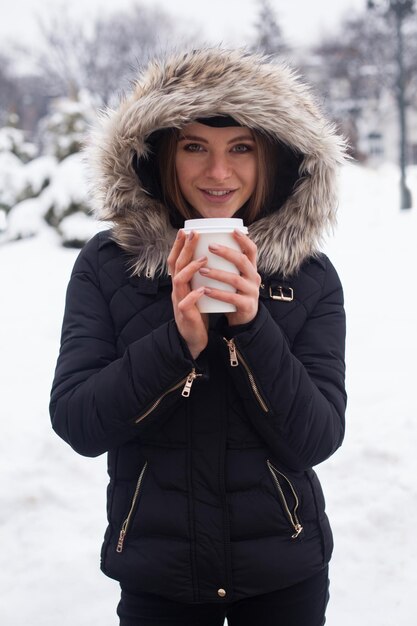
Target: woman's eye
x,y
193,147
242,147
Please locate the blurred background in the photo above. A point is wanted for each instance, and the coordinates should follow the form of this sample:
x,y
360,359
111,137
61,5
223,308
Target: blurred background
x,y
62,63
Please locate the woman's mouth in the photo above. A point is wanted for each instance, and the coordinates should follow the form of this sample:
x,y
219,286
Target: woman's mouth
x,y
218,195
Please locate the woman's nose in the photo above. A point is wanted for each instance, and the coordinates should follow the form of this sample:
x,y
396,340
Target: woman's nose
x,y
218,168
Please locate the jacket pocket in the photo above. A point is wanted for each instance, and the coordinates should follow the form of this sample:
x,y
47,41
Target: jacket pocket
x,y
290,508
187,381
125,526
236,358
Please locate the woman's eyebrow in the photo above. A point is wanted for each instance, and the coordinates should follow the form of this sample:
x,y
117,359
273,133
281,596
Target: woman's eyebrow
x,y
192,138
242,138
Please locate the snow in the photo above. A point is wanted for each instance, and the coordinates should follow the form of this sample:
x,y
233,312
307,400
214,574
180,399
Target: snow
x,y
52,501
18,181
62,189
13,140
370,483
69,185
12,178
26,219
39,172
62,132
79,227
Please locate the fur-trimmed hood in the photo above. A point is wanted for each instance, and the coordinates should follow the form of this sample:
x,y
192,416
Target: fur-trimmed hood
x,y
201,83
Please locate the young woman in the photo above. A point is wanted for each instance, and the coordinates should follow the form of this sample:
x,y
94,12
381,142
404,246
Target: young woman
x,y
212,423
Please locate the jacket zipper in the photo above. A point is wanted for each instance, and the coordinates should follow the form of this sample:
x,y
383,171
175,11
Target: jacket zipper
x,y
187,382
126,523
236,358
293,517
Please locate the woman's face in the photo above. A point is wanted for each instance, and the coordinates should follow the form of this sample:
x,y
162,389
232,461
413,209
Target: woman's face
x,y
217,168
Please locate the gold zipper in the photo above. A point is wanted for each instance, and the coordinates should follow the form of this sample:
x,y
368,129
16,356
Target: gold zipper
x,y
232,352
236,358
187,382
293,517
126,523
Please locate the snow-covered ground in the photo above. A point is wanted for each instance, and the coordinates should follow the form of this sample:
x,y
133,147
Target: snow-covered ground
x,y
52,501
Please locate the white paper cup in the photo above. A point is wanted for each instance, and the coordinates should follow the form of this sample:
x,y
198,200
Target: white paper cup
x,y
214,230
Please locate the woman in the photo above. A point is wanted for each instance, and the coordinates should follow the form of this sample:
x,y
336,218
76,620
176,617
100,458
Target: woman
x,y
212,423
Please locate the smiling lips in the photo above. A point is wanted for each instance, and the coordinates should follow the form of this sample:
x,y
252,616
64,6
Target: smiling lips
x,y
218,195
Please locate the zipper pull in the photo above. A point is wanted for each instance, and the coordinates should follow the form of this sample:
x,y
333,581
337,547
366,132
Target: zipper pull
x,y
121,540
298,530
232,353
188,383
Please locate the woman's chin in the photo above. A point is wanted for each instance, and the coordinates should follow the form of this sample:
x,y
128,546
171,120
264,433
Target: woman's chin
x,y
217,212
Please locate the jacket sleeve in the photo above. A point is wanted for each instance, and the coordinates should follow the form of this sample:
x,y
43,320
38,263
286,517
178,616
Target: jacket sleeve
x,y
296,396
97,398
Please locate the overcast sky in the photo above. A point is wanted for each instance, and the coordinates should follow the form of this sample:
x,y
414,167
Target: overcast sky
x,y
227,21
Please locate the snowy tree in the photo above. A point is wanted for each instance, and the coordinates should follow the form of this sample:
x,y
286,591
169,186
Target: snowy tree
x,y
397,14
100,57
52,189
23,96
66,202
363,66
363,52
62,134
269,37
8,89
63,130
12,181
48,193
15,151
13,139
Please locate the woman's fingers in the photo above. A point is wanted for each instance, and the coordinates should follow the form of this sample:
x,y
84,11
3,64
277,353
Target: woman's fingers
x,y
245,267
182,251
246,304
237,281
186,254
183,265
187,304
181,280
191,324
240,301
244,260
246,283
247,246
175,251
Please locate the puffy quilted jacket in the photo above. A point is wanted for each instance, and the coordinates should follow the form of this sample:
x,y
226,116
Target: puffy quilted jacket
x,y
212,494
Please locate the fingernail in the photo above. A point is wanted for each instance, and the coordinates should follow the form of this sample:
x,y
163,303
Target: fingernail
x,y
201,290
238,232
207,290
214,246
191,235
204,270
201,259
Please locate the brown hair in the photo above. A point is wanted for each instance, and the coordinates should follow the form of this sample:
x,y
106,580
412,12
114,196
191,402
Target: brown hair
x,y
175,201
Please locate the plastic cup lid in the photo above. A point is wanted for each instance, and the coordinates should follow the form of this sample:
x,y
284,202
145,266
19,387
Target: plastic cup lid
x,y
210,224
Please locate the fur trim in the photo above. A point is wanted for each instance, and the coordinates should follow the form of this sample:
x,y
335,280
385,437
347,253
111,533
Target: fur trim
x,y
258,94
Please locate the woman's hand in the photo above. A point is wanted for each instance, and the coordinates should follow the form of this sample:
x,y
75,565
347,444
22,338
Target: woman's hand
x,y
246,298
191,324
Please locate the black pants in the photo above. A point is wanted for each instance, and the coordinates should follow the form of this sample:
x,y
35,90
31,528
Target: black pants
x,y
303,604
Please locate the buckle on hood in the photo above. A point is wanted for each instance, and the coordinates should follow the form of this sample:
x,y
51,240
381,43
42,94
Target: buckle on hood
x,y
279,292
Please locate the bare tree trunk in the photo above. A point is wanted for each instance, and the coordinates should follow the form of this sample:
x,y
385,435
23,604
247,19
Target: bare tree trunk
x,y
406,201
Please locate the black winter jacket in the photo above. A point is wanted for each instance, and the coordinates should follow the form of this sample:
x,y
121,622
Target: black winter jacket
x,y
212,495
